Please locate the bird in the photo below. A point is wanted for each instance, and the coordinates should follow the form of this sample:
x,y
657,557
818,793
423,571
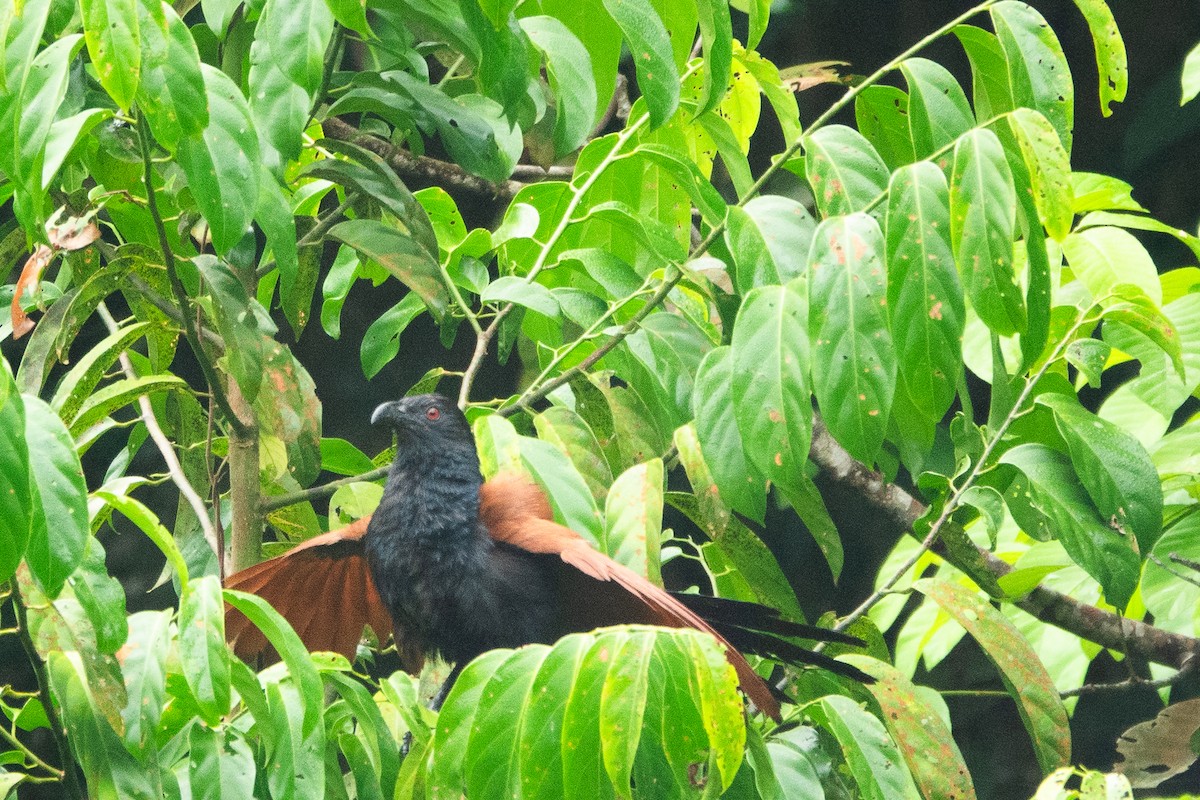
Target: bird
x,y
456,566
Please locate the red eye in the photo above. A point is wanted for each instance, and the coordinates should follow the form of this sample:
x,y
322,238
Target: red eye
x,y
432,413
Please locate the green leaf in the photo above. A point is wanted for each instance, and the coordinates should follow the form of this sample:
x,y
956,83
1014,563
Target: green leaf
x,y
650,44
202,651
1024,676
119,394
938,112
108,767
1050,498
881,113
64,135
1104,258
61,530
854,364
1111,61
571,434
769,239
1101,192
924,297
1190,79
569,70
17,507
596,30
222,161
844,170
511,289
288,409
1049,170
88,370
1172,601
1037,69
287,62
922,737
146,521
219,13
401,255
716,34
991,88
754,561
1114,468
220,763
1141,223
737,480
870,753
769,382
633,518
110,28
144,669
982,221
381,342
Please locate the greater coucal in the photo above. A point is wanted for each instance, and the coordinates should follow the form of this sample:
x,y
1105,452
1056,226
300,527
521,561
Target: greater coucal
x,y
458,566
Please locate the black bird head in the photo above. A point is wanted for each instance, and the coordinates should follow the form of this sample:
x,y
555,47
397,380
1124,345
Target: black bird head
x,y
425,420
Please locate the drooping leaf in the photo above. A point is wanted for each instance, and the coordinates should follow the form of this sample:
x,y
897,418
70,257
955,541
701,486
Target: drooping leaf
x,y
845,171
202,650
872,756
938,112
1037,69
1111,61
633,518
982,203
882,116
111,30
1027,681
400,255
853,361
1049,170
769,239
17,504
60,531
569,69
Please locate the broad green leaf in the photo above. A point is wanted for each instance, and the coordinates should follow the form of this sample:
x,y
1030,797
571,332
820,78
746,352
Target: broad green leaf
x,y
982,221
60,529
769,360
882,116
1050,502
594,27
103,600
572,435
779,95
401,255
17,504
1141,223
569,70
1111,61
1027,681
111,30
1114,468
853,361
380,747
64,135
220,763
633,518
716,34
222,161
844,170
1101,192
144,669
218,14
352,14
922,737
938,112
202,651
1190,79
1105,257
806,501
242,322
107,766
511,289
736,478
141,516
1037,69
769,239
447,772
119,394
924,297
1049,170
991,88
297,278
288,410
707,199
1172,601
381,342
872,756
296,743
650,44
754,561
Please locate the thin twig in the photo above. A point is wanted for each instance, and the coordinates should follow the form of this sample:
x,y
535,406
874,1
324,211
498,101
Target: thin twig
x,y
165,448
70,778
181,297
278,501
1134,682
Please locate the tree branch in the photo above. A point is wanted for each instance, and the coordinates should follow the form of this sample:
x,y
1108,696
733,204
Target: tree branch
x,y
421,169
1088,622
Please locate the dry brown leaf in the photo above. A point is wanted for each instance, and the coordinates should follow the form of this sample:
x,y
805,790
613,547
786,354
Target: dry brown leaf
x,y
1150,752
31,274
806,76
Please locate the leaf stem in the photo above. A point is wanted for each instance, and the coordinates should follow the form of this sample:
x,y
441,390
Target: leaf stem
x,y
181,297
951,505
278,501
70,778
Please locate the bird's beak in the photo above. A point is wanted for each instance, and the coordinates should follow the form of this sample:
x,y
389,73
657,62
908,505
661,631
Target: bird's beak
x,y
381,413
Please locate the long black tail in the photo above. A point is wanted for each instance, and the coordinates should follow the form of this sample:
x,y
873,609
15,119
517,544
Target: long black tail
x,y
761,631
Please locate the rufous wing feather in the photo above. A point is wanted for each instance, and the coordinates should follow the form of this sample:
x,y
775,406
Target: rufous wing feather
x,y
322,587
596,590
